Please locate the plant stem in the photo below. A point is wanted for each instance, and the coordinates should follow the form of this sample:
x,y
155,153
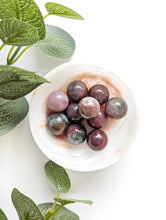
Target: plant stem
x,y
8,56
46,15
58,209
49,213
15,54
2,46
53,206
26,48
11,60
58,195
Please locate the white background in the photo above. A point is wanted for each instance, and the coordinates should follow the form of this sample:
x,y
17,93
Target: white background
x,y
128,38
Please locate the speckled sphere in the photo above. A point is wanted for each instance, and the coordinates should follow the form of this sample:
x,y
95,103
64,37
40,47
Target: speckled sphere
x,y
57,123
116,108
76,133
72,112
77,90
57,101
89,107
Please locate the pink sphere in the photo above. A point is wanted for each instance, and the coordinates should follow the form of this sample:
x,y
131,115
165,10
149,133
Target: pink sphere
x,y
89,107
57,101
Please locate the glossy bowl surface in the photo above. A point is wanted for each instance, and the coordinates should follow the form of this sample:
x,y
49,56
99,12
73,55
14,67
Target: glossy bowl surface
x,y
121,133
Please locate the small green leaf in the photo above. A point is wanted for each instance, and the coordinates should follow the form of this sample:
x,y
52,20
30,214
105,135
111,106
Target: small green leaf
x,y
57,43
62,214
12,113
24,10
25,207
57,177
61,10
16,82
68,201
2,215
18,33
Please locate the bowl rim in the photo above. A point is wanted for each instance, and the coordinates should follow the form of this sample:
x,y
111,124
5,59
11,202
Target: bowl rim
x,y
116,158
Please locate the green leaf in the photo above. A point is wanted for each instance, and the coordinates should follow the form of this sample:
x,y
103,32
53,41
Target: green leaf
x,y
57,43
57,177
16,82
18,33
12,113
26,208
24,10
62,214
61,10
2,215
68,201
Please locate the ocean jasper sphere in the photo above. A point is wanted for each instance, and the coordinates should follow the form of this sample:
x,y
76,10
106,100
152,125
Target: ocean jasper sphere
x,y
89,107
116,108
72,112
97,140
100,93
98,121
57,123
76,133
77,90
57,101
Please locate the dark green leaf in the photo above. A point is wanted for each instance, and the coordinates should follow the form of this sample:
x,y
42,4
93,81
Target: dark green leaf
x,y
16,82
62,214
18,33
2,215
57,43
57,177
12,113
68,201
26,208
24,10
61,10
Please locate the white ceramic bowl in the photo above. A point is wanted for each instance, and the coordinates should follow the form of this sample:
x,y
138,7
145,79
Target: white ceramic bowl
x,y
120,133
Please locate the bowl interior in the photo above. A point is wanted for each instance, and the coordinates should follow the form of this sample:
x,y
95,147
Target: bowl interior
x,y
120,133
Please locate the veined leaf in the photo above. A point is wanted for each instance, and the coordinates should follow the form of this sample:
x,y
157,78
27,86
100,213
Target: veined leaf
x,y
16,82
57,43
18,33
57,177
2,215
62,214
12,113
61,10
68,201
24,10
25,207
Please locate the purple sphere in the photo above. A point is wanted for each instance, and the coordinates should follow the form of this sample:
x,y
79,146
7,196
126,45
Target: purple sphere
x,y
100,93
89,107
77,90
72,112
57,101
97,140
116,108
98,121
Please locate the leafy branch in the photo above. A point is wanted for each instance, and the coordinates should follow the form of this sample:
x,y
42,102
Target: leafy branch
x,y
27,209
23,31
22,25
